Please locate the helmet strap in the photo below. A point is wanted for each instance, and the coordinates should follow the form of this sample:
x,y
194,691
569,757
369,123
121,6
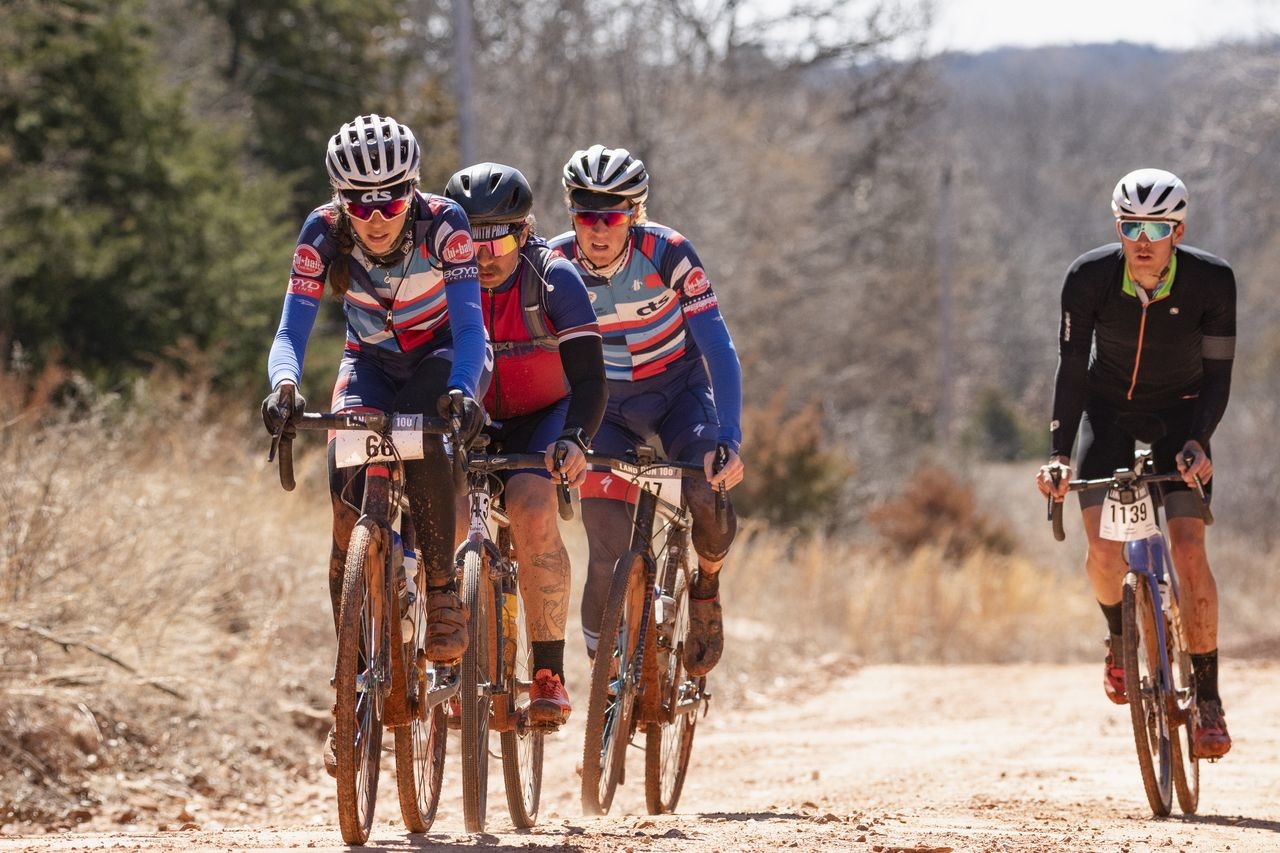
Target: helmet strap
x,y
608,269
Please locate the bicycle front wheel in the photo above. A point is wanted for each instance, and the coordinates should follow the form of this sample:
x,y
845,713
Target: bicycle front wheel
x,y
361,674
668,744
522,745
1181,709
420,746
614,680
475,686
1143,684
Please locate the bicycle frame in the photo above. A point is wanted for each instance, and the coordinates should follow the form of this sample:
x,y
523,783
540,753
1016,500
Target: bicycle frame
x,y
650,504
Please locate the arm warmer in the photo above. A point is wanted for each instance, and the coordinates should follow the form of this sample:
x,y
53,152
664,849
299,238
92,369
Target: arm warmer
x,y
583,361
712,337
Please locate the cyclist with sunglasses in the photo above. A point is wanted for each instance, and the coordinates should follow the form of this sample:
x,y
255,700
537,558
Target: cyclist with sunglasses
x,y
403,265
1160,318
547,395
660,320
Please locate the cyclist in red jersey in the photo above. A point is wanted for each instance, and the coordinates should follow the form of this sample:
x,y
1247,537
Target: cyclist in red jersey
x,y
548,393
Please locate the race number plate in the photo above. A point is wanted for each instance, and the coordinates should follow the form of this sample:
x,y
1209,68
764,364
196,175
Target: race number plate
x,y
356,447
663,481
1128,522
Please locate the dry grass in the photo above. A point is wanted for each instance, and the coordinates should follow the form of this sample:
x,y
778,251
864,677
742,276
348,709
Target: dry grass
x,y
167,641
157,604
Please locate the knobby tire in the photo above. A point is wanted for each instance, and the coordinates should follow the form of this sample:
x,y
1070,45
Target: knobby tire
x,y
668,744
609,714
1186,768
420,746
474,687
357,711
521,746
1147,706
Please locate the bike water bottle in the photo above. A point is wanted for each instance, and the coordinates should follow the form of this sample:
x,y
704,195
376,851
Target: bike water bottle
x,y
405,561
510,612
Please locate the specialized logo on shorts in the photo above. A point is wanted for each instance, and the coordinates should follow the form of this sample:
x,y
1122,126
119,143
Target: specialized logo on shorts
x,y
305,287
306,261
457,249
696,283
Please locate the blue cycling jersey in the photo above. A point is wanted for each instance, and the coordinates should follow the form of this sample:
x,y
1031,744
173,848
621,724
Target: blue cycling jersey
x,y
657,313
430,299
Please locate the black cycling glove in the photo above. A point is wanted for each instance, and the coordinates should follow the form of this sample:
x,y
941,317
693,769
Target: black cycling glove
x,y
469,413
284,405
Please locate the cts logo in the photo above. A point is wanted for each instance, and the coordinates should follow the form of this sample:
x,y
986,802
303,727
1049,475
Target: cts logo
x,y
696,283
305,287
654,305
457,249
306,261
375,196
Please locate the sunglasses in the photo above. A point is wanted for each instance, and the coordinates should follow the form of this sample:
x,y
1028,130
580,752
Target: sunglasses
x,y
1155,229
589,218
500,246
389,209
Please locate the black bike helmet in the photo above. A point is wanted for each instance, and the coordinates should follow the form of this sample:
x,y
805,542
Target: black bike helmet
x,y
491,193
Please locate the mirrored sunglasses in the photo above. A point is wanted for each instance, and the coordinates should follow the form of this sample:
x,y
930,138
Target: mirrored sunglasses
x,y
1155,229
589,218
499,246
389,209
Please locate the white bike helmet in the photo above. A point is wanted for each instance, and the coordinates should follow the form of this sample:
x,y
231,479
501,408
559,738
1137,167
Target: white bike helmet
x,y
612,171
1150,194
372,152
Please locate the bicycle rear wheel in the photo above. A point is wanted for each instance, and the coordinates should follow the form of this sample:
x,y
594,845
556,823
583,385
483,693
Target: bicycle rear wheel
x,y
668,744
521,746
476,681
362,673
1144,686
1182,707
614,681
420,746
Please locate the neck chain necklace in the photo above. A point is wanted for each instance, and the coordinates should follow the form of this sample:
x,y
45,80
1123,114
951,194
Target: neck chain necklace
x,y
608,270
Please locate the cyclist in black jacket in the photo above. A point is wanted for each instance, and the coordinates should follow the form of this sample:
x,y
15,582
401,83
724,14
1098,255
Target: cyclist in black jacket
x,y
1160,321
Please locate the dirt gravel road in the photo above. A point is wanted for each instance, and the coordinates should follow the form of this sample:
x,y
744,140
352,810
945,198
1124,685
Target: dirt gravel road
x,y
881,759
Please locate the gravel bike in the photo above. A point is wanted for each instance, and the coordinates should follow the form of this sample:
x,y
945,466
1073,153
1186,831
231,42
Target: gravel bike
x,y
382,676
496,667
1159,679
638,680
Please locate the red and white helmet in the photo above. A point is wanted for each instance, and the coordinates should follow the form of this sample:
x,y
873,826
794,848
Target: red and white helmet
x,y
372,152
1150,194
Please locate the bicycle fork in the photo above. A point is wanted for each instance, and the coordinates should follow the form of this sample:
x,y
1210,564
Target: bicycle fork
x,y
1149,560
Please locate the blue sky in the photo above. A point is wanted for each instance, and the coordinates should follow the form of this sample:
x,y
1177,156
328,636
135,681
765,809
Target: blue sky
x,y
974,25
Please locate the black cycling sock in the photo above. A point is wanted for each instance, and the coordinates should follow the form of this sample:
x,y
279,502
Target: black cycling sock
x,y
1115,620
549,654
1206,669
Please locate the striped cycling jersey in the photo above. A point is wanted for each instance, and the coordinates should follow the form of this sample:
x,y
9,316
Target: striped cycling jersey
x,y
659,311
431,298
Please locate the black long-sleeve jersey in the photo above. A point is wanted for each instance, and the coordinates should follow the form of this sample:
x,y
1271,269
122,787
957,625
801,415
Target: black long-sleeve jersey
x,y
1146,356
